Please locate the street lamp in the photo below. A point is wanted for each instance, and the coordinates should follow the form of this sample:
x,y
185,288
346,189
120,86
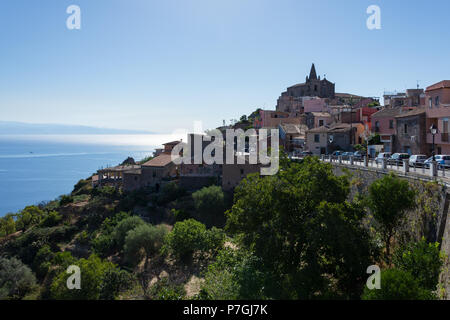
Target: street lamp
x,y
434,131
330,140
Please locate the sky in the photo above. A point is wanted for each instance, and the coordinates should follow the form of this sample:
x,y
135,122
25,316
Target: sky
x,y
161,65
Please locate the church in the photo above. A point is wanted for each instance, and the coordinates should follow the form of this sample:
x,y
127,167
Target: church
x,y
292,99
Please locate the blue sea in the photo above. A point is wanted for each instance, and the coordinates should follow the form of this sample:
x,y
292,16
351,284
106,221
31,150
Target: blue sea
x,y
35,169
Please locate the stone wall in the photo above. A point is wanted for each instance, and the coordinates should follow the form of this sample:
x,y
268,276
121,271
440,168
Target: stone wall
x,y
430,218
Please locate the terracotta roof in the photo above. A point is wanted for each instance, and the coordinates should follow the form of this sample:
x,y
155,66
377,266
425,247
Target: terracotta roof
x,y
411,113
171,143
121,168
339,127
160,161
439,85
387,113
293,128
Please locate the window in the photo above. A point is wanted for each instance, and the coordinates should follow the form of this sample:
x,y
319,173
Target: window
x,y
405,127
320,123
436,101
242,171
430,103
316,138
391,124
315,88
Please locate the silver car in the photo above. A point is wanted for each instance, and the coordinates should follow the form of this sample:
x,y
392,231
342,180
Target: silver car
x,y
417,160
381,156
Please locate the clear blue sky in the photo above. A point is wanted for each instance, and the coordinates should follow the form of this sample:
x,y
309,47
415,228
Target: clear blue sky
x,y
159,65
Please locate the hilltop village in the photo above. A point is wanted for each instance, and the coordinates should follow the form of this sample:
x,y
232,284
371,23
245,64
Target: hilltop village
x,y
312,119
332,212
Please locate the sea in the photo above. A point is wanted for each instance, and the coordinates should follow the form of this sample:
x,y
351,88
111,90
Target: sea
x,y
37,168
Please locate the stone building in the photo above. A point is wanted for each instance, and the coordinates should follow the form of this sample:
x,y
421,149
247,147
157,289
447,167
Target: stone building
x,y
411,133
291,100
326,139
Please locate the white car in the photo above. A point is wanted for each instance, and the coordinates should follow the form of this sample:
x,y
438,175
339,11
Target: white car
x,y
417,160
381,156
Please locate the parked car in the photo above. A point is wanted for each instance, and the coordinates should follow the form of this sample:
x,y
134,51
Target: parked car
x,y
417,160
359,155
381,156
346,155
337,153
397,158
442,160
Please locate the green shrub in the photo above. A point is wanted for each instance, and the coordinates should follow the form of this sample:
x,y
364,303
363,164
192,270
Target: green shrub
x,y
164,290
93,271
210,206
170,192
65,200
124,226
114,281
51,219
16,279
143,242
189,236
423,260
397,284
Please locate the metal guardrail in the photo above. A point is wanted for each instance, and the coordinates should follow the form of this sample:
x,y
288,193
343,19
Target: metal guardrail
x,y
431,172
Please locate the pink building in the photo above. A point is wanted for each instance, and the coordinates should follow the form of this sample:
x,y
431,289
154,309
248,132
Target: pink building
x,y
437,99
272,119
383,123
315,105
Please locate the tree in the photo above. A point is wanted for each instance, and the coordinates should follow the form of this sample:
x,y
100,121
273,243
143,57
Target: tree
x,y
189,236
7,225
144,241
398,285
29,216
114,281
300,226
422,260
121,230
235,275
389,199
93,271
16,279
210,205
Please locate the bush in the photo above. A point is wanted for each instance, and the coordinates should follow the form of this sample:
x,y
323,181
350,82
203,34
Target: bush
x,y
164,290
28,217
235,275
189,236
423,260
114,281
210,206
42,261
397,284
65,200
52,219
170,192
16,279
93,271
121,230
143,241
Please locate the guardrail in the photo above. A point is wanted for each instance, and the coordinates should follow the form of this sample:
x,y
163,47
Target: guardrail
x,y
433,171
